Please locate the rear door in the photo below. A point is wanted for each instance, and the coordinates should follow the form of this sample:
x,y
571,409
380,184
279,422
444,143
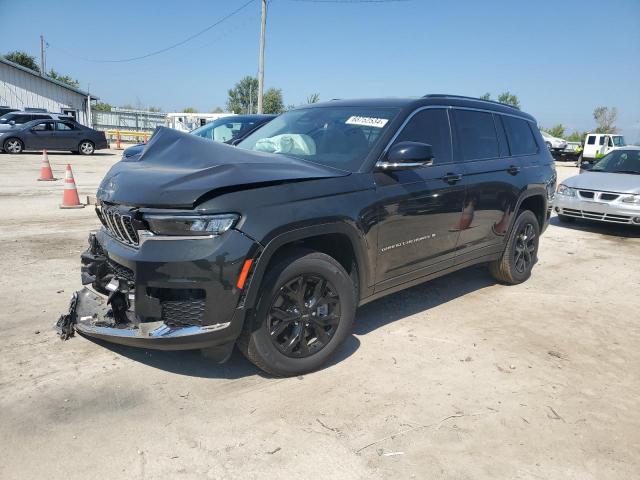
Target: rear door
x,y
67,136
494,181
420,208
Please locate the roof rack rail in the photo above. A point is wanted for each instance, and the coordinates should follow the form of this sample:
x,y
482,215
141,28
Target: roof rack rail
x,y
445,95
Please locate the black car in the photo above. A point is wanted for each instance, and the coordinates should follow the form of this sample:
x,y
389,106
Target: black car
x,y
52,135
226,130
272,245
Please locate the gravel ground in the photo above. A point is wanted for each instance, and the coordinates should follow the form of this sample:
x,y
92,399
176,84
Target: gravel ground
x,y
458,378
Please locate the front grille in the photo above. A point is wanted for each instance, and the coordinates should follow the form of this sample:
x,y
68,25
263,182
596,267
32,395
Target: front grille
x,y
120,225
180,313
586,194
609,196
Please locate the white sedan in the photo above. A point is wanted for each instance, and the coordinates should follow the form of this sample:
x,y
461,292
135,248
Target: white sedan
x,y
554,143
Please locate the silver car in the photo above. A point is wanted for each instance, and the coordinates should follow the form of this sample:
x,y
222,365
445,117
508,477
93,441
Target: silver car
x,y
609,191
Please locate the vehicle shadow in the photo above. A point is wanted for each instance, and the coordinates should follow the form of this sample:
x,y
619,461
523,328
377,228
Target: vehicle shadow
x,y
369,317
421,298
66,153
593,226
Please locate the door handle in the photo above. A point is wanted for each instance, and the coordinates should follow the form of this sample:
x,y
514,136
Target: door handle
x,y
513,170
452,177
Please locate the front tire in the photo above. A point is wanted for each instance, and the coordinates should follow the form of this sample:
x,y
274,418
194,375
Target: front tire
x,y
305,311
86,147
13,145
521,251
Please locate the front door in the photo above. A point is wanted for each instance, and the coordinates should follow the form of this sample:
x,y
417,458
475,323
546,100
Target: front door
x,y
420,209
40,136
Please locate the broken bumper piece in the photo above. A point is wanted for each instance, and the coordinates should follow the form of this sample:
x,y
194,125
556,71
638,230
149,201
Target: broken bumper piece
x,y
95,318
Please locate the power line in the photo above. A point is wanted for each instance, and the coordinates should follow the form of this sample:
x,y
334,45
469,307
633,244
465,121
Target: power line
x,y
350,1
162,50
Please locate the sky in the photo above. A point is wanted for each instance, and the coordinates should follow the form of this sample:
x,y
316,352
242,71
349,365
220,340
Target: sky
x,y
561,58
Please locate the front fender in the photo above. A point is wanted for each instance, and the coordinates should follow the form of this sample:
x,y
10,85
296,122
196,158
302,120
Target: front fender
x,y
358,244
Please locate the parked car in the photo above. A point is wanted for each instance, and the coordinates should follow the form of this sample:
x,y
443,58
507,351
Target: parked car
x,y
4,109
272,245
597,145
52,135
225,130
554,144
608,191
8,120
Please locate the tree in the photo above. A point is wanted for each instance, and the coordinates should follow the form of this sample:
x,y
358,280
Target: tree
x,y
272,101
218,110
509,99
313,98
102,107
606,118
189,110
555,131
24,59
154,109
72,82
243,97
486,96
576,136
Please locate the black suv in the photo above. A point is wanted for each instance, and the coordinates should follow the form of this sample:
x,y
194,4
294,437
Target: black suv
x,y
273,244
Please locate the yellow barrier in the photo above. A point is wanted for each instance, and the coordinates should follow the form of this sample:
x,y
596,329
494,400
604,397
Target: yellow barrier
x,y
129,134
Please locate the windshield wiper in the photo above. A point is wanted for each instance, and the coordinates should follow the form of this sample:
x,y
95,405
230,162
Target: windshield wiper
x,y
633,172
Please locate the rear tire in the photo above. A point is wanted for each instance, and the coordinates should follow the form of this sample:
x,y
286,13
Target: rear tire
x,y
521,251
13,145
305,311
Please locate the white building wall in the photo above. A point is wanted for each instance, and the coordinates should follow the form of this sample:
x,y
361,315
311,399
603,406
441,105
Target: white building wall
x,y
19,89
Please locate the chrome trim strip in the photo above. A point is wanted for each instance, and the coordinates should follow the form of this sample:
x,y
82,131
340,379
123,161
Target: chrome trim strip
x,y
146,235
126,230
151,330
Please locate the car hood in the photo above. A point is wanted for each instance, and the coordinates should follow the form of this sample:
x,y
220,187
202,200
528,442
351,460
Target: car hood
x,y
179,170
605,182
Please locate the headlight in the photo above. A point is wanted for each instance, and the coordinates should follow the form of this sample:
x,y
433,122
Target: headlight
x,y
635,199
566,191
191,224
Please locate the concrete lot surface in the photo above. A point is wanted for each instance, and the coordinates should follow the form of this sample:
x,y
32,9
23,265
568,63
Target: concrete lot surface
x,y
459,378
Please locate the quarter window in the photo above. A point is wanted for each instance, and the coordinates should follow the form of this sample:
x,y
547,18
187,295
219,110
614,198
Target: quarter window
x,y
430,126
521,139
476,135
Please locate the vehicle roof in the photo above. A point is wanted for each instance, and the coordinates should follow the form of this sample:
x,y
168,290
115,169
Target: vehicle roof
x,y
613,134
427,100
253,116
53,115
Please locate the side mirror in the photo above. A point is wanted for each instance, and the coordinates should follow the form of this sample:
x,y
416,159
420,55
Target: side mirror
x,y
12,122
405,155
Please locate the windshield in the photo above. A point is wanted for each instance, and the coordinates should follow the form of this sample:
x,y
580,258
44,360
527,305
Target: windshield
x,y
339,137
618,141
619,161
225,129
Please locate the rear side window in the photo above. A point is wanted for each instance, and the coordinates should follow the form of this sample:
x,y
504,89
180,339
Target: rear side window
x,y
64,127
477,135
521,139
591,140
430,126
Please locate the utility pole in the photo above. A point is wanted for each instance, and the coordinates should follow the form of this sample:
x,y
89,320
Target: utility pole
x,y
263,28
43,65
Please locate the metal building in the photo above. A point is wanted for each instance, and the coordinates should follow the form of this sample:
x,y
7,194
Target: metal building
x,y
21,88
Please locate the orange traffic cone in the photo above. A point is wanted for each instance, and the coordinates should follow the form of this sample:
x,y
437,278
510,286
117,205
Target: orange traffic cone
x,y
70,197
46,175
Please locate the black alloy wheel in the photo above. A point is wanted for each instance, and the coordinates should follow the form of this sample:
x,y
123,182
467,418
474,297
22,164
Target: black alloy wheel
x,y
304,316
525,247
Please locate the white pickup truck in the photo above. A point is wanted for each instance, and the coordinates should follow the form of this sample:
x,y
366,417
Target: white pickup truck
x,y
597,145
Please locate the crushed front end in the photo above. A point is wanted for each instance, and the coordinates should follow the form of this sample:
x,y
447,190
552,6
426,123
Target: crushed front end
x,y
167,292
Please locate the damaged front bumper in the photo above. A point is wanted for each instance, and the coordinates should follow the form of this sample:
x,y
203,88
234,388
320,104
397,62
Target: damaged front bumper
x,y
179,294
95,318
